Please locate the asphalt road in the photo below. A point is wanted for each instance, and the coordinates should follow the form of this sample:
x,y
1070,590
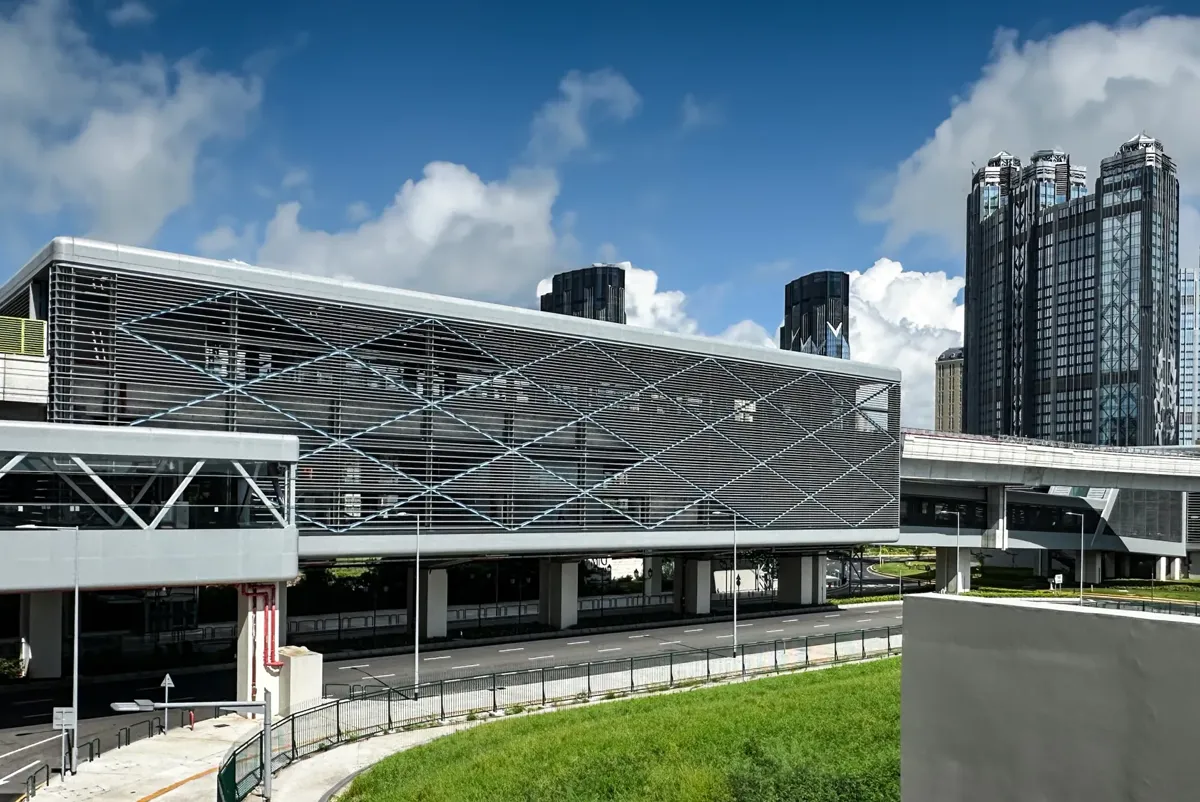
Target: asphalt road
x,y
397,670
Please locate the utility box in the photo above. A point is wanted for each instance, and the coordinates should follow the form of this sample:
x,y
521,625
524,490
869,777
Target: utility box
x,y
299,679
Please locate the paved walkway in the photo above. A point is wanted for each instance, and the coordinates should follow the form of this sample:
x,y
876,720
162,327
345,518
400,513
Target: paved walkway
x,y
183,760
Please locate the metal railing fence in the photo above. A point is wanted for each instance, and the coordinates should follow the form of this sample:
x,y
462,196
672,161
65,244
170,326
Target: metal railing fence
x,y
359,711
1168,606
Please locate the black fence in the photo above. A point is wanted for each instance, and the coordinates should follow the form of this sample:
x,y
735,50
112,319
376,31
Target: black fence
x,y
359,711
1167,606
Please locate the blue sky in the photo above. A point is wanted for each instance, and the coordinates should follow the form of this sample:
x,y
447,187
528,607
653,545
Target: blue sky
x,y
722,149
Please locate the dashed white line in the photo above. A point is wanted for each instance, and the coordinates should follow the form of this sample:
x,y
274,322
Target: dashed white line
x,y
789,620
744,625
541,657
377,676
439,657
818,626
517,649
872,612
631,637
769,631
834,615
469,665
360,665
899,616
578,642
669,642
610,649
724,636
697,629
863,621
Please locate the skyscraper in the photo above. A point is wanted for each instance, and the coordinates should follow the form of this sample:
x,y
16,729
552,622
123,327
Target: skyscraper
x,y
947,391
1072,309
1189,364
596,292
816,315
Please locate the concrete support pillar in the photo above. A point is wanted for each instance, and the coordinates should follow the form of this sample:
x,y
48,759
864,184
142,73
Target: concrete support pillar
x,y
1109,564
434,592
262,630
1041,562
558,593
696,586
1161,569
1091,564
995,533
950,576
1176,568
802,579
651,575
42,629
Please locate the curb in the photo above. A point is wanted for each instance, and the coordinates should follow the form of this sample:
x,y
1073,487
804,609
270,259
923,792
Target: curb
x,y
342,783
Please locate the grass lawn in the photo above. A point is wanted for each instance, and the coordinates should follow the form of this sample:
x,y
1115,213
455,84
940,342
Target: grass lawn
x,y
912,569
831,735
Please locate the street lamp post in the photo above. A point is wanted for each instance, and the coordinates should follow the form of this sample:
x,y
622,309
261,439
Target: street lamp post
x,y
737,585
1080,569
416,608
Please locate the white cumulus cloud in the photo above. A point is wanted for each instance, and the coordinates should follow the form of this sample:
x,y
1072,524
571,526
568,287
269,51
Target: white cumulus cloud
x,y
1086,90
904,319
561,127
694,114
128,13
117,141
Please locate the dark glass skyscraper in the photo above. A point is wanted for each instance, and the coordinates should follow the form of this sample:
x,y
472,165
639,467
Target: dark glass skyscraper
x,y
1072,300
816,315
596,292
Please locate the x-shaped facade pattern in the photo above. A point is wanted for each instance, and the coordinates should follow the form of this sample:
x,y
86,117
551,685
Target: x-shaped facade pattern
x,y
479,427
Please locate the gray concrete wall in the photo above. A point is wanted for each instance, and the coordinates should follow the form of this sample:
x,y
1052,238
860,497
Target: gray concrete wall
x,y
1006,700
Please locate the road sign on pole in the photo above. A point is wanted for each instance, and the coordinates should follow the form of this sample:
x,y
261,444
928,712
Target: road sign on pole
x,y
167,684
64,718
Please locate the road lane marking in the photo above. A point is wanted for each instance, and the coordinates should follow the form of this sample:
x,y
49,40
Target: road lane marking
x,y
724,636
578,642
377,676
871,612
439,657
697,629
789,620
517,649
863,621
834,615
818,626
668,642
26,767
899,616
745,625
469,665
611,649
360,665
631,637
769,631
541,657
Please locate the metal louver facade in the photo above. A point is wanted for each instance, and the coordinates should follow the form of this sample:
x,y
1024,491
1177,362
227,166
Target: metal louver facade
x,y
501,430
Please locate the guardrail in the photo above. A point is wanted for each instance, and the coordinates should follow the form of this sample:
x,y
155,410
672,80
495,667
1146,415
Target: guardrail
x,y
1143,605
371,710
153,726
31,782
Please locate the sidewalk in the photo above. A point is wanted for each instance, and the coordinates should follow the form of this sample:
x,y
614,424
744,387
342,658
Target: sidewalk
x,y
183,760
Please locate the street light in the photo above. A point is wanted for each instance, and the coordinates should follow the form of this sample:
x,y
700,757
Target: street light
x,y
74,642
1080,570
417,609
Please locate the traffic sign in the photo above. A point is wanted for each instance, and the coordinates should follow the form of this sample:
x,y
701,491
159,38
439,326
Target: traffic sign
x,y
64,718
167,682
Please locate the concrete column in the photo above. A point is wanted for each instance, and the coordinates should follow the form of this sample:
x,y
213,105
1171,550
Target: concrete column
x,y
558,593
1092,562
434,589
697,582
678,563
948,577
651,575
1160,569
1176,568
802,579
42,629
261,623
995,535
1041,562
1109,559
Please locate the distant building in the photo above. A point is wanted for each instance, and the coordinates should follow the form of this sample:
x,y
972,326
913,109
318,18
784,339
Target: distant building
x,y
1189,358
1072,300
948,391
596,292
816,315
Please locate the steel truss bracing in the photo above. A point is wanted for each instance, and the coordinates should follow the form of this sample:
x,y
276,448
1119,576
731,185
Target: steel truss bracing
x,y
477,427
117,492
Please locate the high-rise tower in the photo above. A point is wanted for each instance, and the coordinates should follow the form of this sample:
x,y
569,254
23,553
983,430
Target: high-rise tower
x,y
816,314
596,292
1072,308
947,391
